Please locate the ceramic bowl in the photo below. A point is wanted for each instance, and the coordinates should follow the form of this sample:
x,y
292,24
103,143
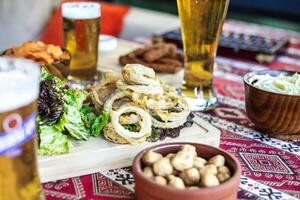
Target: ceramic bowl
x,y
147,189
60,68
277,115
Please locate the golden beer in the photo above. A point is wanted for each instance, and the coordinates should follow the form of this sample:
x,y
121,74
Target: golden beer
x,y
81,33
19,178
201,26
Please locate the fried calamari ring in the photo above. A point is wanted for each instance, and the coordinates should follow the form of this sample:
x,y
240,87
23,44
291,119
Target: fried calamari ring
x,y
129,119
159,124
165,102
161,104
151,90
168,89
111,135
173,118
166,116
145,122
101,92
177,113
108,105
137,74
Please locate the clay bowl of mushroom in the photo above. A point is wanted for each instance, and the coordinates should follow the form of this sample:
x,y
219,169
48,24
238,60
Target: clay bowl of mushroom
x,y
273,102
190,171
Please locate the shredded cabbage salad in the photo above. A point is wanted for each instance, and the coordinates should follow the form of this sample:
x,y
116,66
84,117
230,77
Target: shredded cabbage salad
x,y
280,84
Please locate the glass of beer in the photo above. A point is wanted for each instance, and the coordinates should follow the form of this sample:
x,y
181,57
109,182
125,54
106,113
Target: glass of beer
x,y
81,32
201,26
19,90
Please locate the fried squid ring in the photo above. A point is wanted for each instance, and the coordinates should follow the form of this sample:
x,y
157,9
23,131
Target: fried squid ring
x,y
178,112
145,123
174,124
108,105
159,105
173,118
169,89
129,119
152,90
166,116
139,75
166,101
111,135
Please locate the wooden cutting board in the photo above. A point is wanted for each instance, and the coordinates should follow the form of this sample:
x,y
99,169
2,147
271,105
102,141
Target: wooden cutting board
x,y
98,154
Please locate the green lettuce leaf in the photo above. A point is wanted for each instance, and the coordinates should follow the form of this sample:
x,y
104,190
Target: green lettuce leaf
x,y
71,119
99,123
52,141
75,97
77,131
72,122
94,123
88,115
45,75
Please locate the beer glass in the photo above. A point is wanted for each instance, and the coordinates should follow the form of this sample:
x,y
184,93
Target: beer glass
x,y
19,89
201,26
81,33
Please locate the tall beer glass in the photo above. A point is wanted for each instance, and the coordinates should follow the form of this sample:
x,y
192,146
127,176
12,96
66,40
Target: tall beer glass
x,y
81,33
19,88
201,26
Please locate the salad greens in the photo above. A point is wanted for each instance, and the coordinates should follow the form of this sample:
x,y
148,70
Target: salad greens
x,y
77,121
52,141
93,122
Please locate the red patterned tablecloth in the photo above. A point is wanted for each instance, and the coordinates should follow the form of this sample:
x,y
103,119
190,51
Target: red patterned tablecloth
x,y
270,167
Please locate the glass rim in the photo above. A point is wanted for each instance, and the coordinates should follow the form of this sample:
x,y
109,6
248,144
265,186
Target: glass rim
x,y
9,64
19,82
98,5
81,10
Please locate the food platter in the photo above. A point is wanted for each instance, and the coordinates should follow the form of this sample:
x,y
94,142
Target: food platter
x,y
98,154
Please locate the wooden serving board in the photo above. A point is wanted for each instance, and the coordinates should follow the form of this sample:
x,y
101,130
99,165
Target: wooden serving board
x,y
98,154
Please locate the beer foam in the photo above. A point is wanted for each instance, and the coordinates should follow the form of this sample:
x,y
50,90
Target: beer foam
x,y
81,10
19,83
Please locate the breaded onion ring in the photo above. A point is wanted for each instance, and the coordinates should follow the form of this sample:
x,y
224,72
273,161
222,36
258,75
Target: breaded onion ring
x,y
174,124
152,90
169,89
101,92
111,135
145,125
166,116
166,101
182,111
139,75
115,96
129,119
172,119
